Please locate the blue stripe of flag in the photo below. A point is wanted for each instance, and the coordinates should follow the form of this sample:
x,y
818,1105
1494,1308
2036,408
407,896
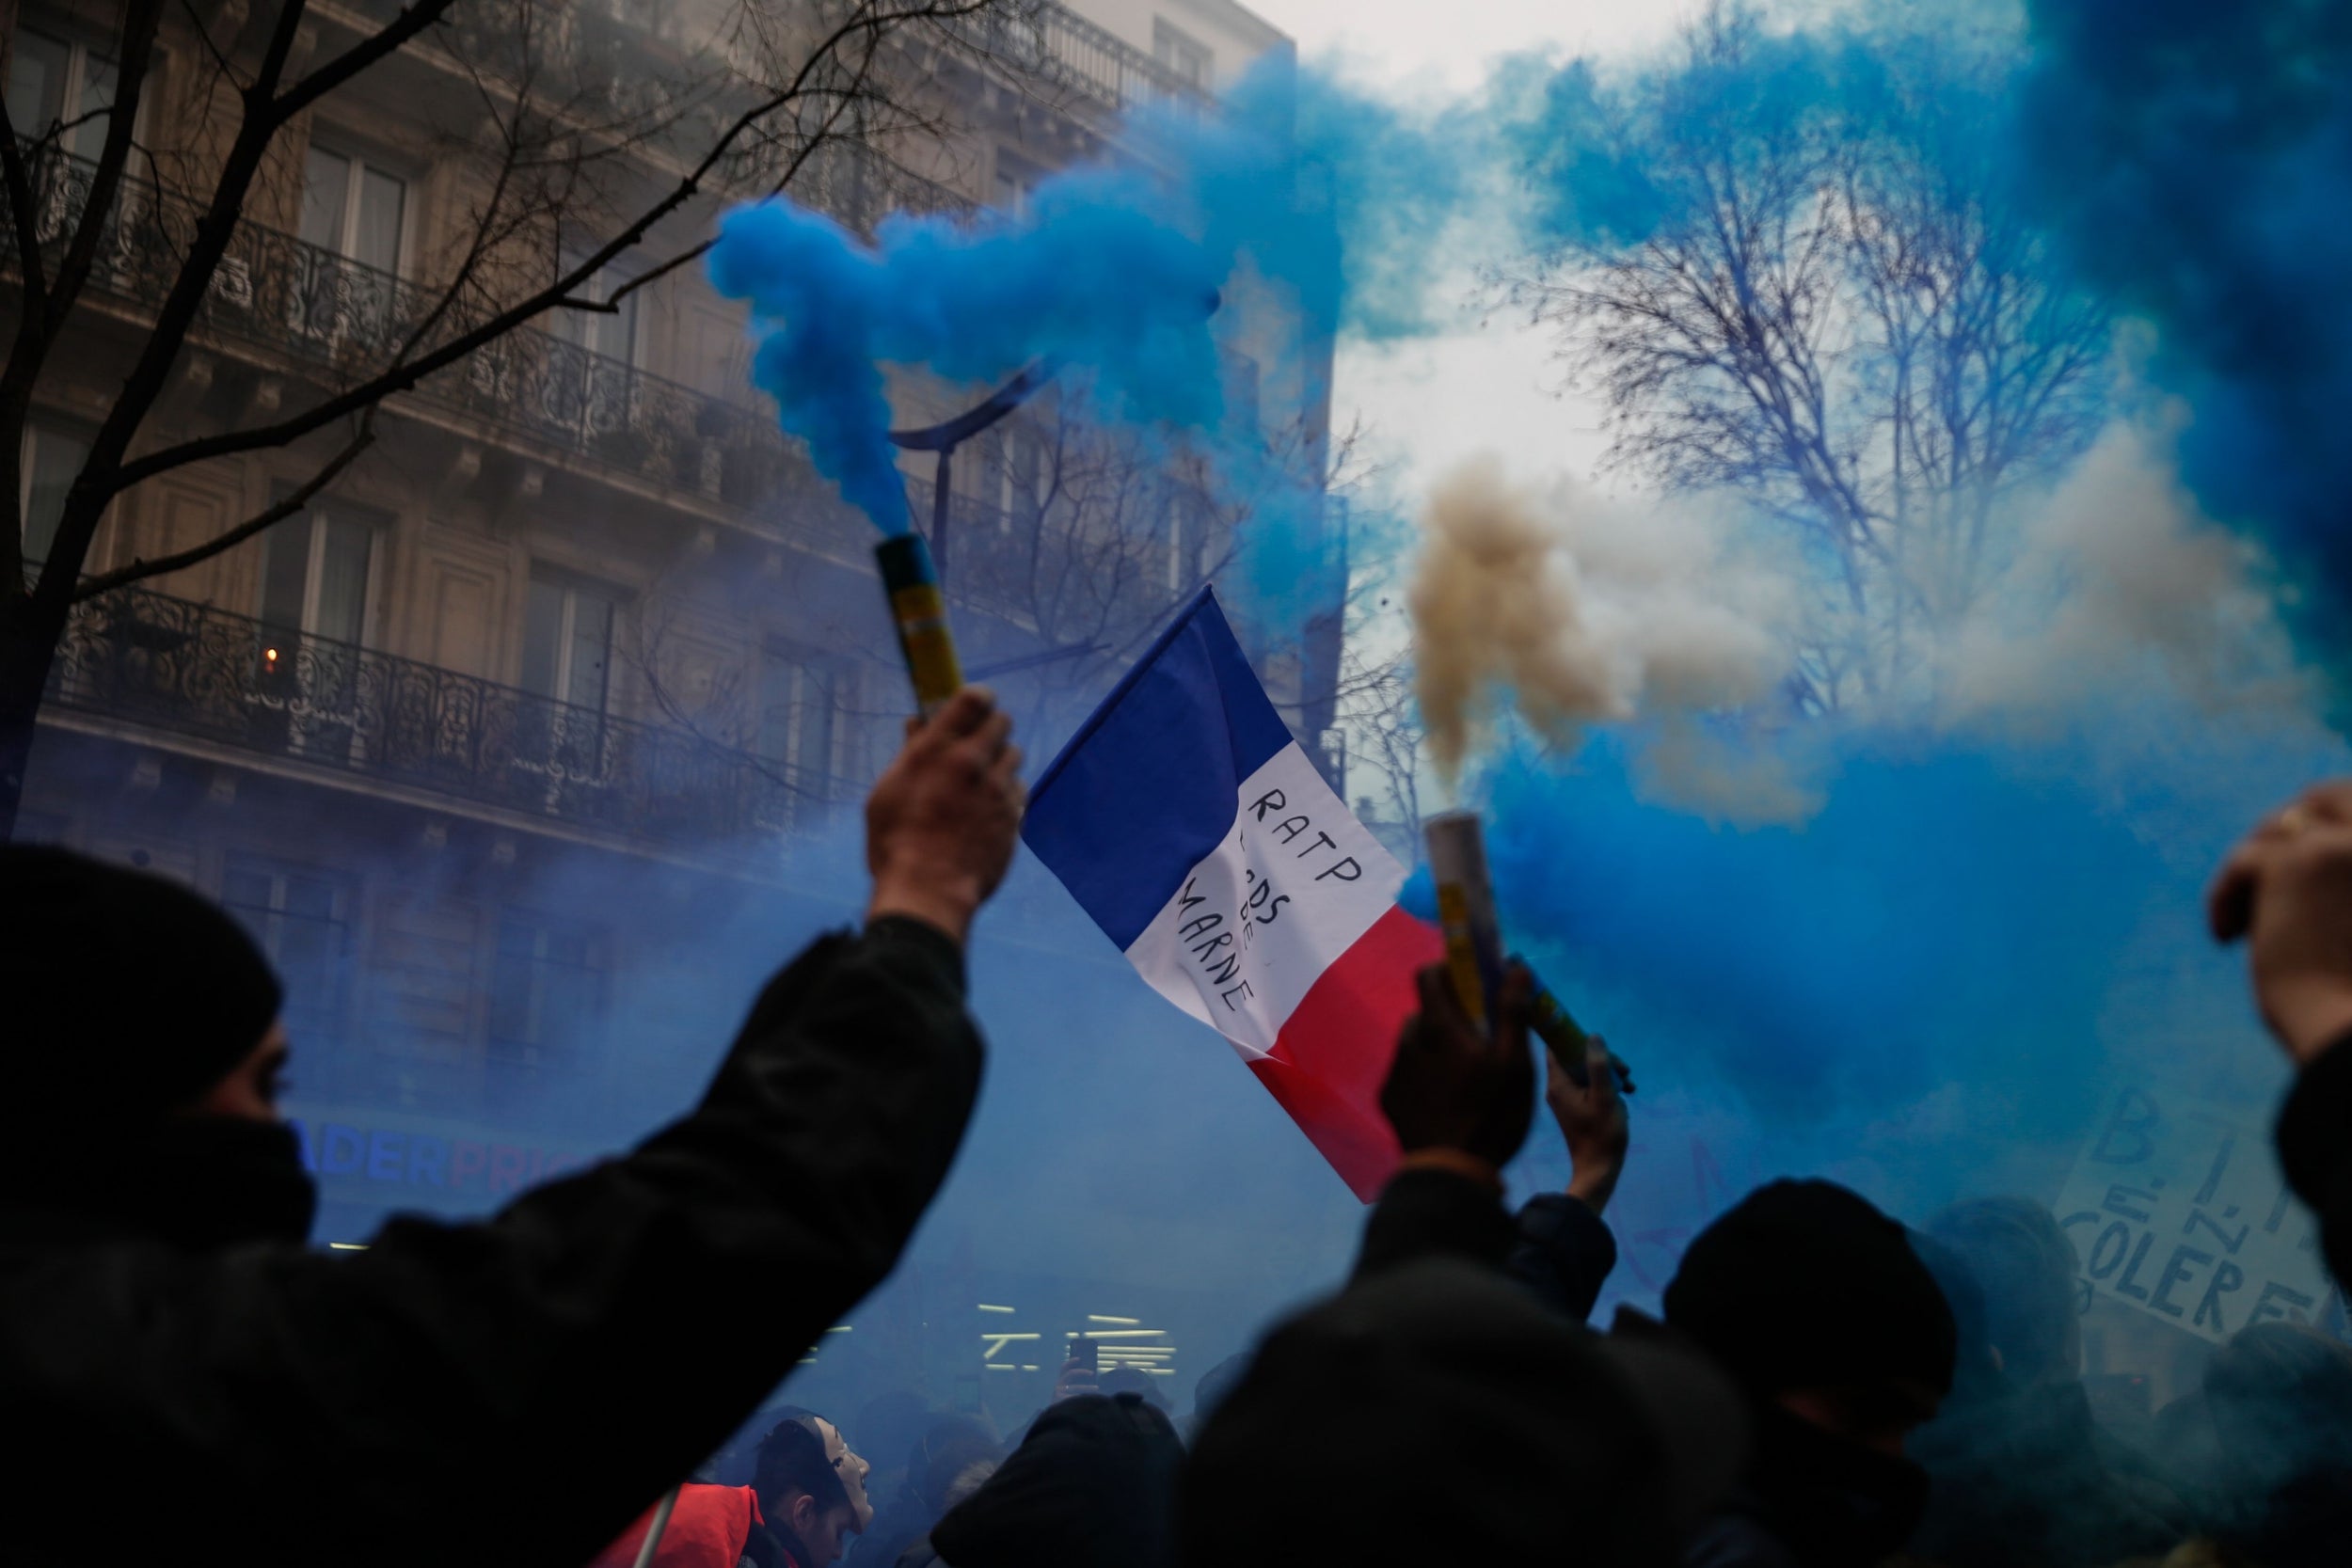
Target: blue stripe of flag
x,y
1146,786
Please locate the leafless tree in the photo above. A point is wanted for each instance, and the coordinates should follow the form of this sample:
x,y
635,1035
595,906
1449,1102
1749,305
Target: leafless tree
x,y
1836,315
1092,536
575,142
1386,756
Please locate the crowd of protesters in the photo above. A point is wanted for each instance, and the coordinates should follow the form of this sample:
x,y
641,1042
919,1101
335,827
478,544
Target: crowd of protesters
x,y
181,1376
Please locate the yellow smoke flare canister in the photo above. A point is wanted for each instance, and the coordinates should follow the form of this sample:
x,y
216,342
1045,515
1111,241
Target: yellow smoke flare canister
x,y
1466,911
1474,946
920,613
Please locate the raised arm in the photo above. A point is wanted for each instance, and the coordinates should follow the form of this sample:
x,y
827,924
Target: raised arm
x,y
519,1390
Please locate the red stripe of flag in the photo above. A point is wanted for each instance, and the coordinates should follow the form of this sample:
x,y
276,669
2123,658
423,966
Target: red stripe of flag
x,y
1333,1051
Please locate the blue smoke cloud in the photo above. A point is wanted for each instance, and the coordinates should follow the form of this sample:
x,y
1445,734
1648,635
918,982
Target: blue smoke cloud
x,y
1950,926
2198,160
1330,197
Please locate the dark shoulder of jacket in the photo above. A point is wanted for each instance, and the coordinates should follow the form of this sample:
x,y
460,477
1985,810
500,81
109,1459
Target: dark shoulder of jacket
x,y
2314,1130
1550,1218
1735,1541
920,1554
1563,1252
891,940
1433,1214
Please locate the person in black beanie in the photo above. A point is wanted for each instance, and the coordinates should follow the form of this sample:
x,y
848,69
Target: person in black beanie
x,y
1093,1485
153,1004
515,1391
1838,1334
1438,1410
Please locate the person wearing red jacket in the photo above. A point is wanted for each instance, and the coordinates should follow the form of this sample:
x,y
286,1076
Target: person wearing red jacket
x,y
807,1499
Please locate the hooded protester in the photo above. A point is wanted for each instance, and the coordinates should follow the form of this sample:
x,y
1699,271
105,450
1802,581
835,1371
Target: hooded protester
x,y
1841,1340
1557,1245
1135,1381
812,1494
1436,1413
1210,1392
1438,1410
157,1308
950,1460
1093,1485
2021,1476
2271,1473
805,1501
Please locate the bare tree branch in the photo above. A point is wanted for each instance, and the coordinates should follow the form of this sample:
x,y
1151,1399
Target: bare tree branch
x,y
293,502
405,375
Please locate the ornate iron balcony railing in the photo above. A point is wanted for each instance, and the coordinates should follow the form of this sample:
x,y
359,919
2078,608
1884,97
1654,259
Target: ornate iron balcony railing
x,y
1055,44
187,669
350,321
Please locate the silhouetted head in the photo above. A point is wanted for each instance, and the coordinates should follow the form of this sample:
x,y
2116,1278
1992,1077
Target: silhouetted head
x,y
2030,1274
1816,1304
1134,1380
2280,1395
150,1058
951,1449
1092,1485
805,1494
1438,1413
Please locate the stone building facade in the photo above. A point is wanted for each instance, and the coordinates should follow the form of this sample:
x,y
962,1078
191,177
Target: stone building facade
x,y
506,740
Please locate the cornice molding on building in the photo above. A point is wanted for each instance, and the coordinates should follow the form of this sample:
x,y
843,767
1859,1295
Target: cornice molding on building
x,y
1241,19
734,866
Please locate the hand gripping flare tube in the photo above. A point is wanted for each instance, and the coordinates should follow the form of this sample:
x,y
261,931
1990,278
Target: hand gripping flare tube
x,y
1474,945
920,613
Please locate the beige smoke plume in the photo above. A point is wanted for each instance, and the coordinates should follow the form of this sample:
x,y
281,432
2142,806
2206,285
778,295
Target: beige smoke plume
x,y
2122,586
1581,609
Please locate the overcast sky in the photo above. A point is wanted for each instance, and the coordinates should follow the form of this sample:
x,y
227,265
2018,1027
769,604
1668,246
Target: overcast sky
x,y
1433,402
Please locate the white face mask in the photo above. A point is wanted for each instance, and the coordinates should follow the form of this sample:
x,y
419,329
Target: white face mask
x,y
852,1470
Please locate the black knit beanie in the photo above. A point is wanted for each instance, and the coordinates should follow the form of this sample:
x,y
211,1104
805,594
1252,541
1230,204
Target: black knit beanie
x,y
125,995
1805,1284
1093,1485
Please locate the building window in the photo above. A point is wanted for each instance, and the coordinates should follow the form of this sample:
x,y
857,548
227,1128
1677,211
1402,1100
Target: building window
x,y
1017,467
54,82
315,574
1186,57
315,567
546,989
353,220
1188,526
612,333
302,919
48,461
568,641
353,209
593,392
800,694
1016,183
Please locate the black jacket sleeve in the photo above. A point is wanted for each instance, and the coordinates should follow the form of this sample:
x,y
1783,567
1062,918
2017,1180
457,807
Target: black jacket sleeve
x,y
1563,1252
1558,1247
2315,1149
519,1390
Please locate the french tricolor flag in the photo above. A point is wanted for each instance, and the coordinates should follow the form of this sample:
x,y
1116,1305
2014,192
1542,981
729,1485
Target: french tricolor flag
x,y
1188,823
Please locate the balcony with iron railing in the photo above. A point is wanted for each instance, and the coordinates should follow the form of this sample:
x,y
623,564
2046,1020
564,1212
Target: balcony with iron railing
x,y
1052,44
598,41
348,321
183,668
